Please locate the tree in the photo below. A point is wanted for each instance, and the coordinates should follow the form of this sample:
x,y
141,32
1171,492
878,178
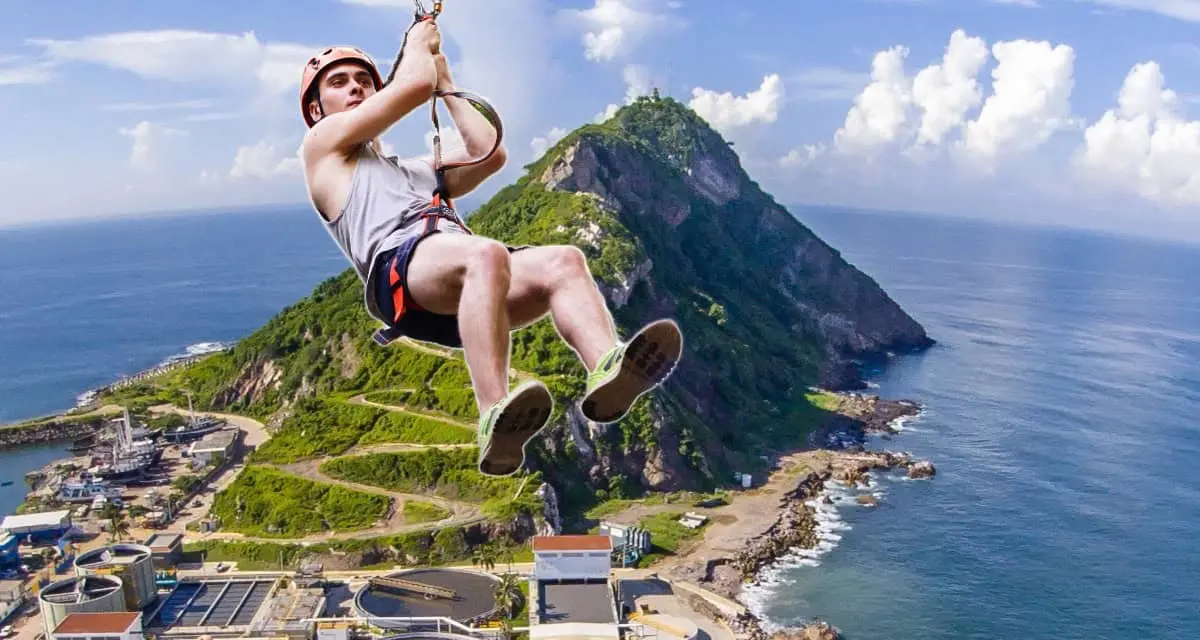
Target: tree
x,y
505,597
485,556
48,554
118,526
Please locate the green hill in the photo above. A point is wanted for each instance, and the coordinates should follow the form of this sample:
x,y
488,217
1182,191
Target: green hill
x,y
672,226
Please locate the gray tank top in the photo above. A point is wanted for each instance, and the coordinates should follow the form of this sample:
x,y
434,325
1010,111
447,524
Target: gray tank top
x,y
386,195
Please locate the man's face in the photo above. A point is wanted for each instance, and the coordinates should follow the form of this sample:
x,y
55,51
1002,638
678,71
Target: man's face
x,y
344,86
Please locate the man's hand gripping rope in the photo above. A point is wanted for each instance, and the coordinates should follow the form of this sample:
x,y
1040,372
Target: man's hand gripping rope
x,y
441,202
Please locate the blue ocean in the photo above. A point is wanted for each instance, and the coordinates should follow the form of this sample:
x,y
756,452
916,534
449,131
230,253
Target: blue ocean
x,y
1061,416
83,304
1060,405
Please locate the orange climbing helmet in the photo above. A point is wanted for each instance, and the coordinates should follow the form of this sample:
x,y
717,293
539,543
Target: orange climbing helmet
x,y
321,61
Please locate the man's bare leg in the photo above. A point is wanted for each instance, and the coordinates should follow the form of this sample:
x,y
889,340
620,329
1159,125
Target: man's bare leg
x,y
469,276
556,279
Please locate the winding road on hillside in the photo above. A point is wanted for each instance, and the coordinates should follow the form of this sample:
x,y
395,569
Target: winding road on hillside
x,y
461,513
440,417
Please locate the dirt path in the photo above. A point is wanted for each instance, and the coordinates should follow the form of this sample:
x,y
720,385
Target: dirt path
x,y
256,432
399,447
443,352
361,399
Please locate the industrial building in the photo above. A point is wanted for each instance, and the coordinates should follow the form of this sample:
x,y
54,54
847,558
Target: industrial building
x,y
100,626
236,606
217,443
289,612
166,549
571,591
462,595
133,563
630,543
80,594
12,597
37,528
228,602
572,557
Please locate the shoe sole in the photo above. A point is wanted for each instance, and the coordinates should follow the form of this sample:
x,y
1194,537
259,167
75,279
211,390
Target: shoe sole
x,y
650,358
525,415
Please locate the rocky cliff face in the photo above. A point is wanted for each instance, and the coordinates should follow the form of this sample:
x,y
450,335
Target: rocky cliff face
x,y
847,311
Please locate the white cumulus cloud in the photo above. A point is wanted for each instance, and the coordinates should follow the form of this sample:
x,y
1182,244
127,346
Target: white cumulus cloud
x,y
946,92
542,143
613,28
726,112
942,105
880,111
151,142
266,159
177,55
1145,145
1030,101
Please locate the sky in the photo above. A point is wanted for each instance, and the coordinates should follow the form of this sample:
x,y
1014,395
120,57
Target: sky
x,y
1065,112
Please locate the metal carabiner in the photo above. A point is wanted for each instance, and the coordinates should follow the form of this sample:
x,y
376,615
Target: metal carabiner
x,y
422,14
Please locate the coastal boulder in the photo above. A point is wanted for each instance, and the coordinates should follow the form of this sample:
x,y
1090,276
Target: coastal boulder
x,y
922,469
820,631
814,631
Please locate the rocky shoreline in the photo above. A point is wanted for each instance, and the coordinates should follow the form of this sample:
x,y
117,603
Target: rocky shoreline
x,y
799,480
57,429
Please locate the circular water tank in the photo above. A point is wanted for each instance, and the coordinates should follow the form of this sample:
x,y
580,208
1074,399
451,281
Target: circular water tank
x,y
81,594
462,595
133,563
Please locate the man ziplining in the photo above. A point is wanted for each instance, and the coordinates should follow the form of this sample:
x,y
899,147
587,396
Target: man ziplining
x,y
427,276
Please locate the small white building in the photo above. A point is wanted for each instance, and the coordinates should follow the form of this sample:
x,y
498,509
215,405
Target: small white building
x,y
216,443
100,626
693,520
572,557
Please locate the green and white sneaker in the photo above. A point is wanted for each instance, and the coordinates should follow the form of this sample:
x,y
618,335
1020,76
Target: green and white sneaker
x,y
508,425
630,369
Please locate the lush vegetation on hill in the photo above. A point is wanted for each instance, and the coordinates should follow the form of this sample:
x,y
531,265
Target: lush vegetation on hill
x,y
271,503
448,474
319,427
437,546
405,427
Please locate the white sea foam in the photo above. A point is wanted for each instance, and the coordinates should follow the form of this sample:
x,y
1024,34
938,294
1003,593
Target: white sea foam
x,y
198,349
830,530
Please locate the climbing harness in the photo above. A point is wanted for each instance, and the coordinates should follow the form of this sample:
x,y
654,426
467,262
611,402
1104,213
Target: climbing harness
x,y
441,204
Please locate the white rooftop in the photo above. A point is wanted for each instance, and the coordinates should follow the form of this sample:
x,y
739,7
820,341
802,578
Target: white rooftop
x,y
214,442
574,631
44,519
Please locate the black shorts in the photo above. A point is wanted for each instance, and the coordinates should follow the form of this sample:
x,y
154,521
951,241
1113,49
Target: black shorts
x,y
415,321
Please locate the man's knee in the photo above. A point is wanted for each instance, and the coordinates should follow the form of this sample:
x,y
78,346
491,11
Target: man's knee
x,y
565,263
489,258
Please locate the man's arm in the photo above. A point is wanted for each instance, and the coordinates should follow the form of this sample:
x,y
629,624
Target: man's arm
x,y
478,137
411,87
